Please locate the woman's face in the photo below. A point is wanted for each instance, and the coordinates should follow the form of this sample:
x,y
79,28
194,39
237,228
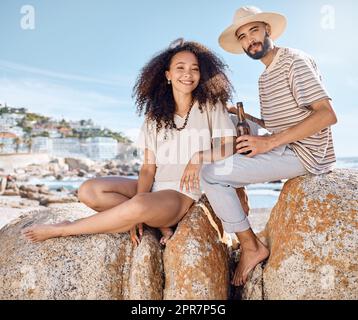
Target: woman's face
x,y
184,72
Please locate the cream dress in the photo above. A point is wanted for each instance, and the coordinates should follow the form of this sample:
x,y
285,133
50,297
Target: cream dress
x,y
173,149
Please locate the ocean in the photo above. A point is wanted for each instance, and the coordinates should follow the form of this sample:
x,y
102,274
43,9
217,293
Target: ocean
x,y
263,195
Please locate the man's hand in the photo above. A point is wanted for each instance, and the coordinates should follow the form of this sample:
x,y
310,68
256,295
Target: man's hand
x,y
255,144
231,109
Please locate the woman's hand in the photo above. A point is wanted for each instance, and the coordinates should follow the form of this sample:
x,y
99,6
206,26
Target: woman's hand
x,y
136,237
191,178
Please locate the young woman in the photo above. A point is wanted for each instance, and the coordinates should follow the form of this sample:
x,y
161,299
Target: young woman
x,y
182,92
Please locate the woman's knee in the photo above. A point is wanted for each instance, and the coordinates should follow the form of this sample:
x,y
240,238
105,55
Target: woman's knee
x,y
140,202
87,192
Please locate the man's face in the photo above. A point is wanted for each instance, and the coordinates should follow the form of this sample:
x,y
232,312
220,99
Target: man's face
x,y
255,39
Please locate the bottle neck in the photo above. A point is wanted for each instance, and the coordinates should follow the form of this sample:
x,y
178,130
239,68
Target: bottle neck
x,y
240,113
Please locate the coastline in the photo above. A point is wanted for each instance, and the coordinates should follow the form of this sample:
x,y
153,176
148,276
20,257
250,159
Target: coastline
x,y
57,178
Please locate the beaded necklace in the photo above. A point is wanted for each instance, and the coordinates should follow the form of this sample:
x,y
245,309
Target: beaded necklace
x,y
186,118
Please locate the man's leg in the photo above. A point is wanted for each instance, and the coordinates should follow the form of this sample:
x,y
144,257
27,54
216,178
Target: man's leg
x,y
219,181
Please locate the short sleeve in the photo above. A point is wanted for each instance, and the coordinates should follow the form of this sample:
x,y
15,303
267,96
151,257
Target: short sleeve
x,y
147,136
306,82
221,124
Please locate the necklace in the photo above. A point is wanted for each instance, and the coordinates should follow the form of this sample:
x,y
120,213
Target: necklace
x,y
186,118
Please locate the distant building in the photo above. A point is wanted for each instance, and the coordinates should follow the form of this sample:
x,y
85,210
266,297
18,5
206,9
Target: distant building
x,y
18,131
53,133
66,147
101,148
126,152
9,120
7,142
51,136
42,144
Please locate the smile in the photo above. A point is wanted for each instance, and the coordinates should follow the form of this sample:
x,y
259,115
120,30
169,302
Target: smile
x,y
254,46
186,82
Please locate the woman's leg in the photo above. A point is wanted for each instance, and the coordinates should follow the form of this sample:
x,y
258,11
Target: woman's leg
x,y
105,193
101,194
156,209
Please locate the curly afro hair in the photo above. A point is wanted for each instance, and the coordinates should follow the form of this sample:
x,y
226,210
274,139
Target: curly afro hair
x,y
155,97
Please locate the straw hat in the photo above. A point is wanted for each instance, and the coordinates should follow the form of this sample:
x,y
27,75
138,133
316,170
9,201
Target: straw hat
x,y
228,40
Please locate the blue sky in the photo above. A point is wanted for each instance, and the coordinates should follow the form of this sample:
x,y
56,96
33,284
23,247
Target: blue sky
x,y
82,57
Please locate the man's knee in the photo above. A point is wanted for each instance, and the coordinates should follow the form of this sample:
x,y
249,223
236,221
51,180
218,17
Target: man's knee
x,y
207,173
215,173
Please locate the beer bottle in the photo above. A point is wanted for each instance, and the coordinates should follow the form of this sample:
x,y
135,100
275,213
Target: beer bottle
x,y
242,127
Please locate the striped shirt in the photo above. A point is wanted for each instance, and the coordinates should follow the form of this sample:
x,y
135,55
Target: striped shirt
x,y
287,88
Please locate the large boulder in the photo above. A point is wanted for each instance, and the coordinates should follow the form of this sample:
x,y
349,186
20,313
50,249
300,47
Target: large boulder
x,y
196,261
79,163
81,267
313,238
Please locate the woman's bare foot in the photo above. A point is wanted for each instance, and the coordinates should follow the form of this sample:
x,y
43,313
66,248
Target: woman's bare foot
x,y
42,232
250,256
167,233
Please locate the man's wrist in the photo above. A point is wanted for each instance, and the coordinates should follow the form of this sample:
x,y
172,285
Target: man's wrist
x,y
274,141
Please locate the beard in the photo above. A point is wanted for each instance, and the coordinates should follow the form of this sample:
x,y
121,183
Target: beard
x,y
266,47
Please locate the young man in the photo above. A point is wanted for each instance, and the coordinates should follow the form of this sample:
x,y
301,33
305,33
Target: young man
x,y
295,109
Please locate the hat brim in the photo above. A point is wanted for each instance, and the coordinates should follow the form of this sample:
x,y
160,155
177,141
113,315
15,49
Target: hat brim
x,y
229,42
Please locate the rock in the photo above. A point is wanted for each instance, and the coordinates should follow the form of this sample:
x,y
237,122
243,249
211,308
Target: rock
x,y
58,166
37,192
46,200
29,188
110,165
54,168
81,267
196,262
81,173
312,234
11,192
20,171
146,277
30,195
44,190
75,164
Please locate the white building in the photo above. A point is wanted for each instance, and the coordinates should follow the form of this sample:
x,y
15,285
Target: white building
x,y
42,144
101,148
53,133
17,131
8,121
67,147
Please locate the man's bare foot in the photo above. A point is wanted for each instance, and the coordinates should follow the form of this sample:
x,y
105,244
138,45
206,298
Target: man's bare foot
x,y
250,257
42,232
167,233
